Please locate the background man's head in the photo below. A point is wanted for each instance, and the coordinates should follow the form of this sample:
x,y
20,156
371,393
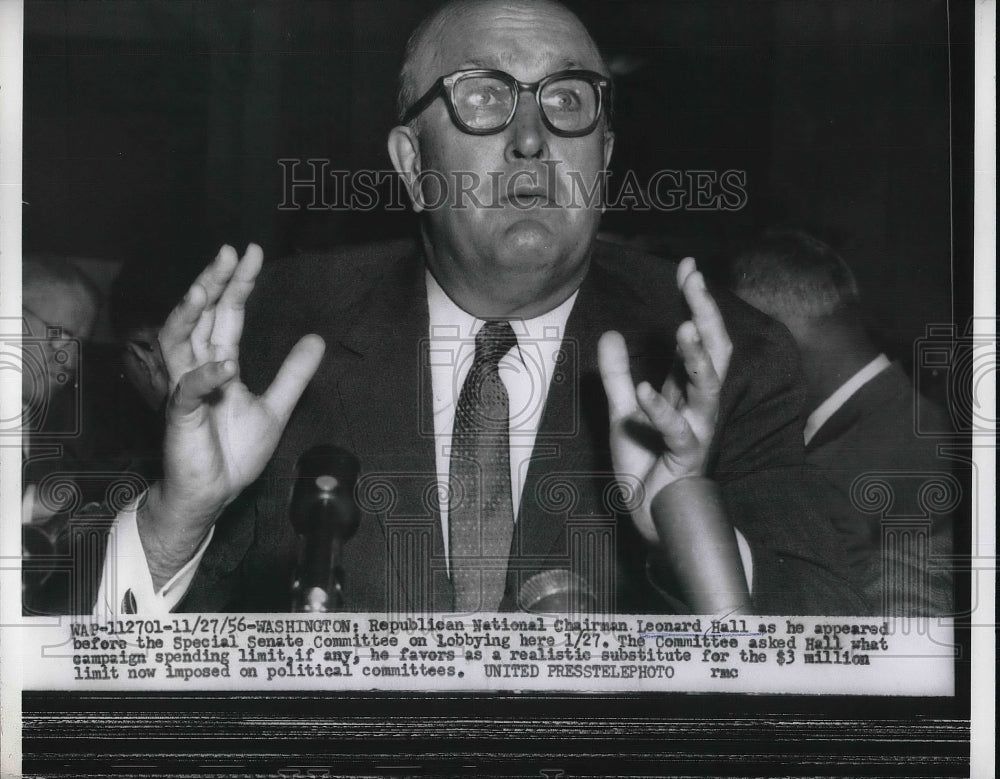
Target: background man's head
x,y
60,306
796,279
807,286
529,251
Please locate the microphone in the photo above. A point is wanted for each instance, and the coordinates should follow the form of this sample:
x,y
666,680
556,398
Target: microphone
x,y
325,516
557,592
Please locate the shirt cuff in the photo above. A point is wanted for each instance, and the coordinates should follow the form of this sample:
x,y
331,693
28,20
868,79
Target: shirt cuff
x,y
126,584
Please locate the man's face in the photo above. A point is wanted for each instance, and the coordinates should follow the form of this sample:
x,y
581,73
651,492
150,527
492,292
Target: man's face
x,y
528,249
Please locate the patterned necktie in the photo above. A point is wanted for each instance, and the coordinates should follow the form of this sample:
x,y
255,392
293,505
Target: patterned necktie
x,y
481,515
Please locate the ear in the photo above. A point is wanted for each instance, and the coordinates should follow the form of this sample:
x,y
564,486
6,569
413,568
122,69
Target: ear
x,y
148,373
404,150
609,146
145,358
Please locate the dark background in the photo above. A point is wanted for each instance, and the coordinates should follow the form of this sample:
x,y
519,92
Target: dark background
x,y
153,130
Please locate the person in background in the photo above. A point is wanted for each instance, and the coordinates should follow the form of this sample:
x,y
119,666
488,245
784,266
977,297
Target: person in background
x,y
861,423
59,308
93,411
141,298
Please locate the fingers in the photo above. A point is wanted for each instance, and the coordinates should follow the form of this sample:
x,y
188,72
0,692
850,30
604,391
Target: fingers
x,y
207,324
295,373
685,268
195,385
229,313
697,362
705,384
671,390
612,360
175,335
706,316
676,432
214,278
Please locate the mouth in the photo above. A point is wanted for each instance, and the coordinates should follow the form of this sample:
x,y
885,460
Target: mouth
x,y
529,197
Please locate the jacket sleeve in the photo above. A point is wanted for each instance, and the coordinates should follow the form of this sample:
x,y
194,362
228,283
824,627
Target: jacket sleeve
x,y
799,564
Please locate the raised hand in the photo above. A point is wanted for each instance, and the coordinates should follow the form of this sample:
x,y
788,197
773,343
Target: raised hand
x,y
219,435
660,437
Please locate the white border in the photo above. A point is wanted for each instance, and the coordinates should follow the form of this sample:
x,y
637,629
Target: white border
x,y
984,549
11,107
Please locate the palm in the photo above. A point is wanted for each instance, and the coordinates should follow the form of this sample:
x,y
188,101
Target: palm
x,y
657,438
228,450
641,473
219,435
645,465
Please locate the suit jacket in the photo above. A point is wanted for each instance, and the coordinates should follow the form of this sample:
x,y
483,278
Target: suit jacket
x,y
372,396
95,448
901,494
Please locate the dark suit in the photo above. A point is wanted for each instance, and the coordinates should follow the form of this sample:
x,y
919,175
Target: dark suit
x,y
94,450
902,492
372,396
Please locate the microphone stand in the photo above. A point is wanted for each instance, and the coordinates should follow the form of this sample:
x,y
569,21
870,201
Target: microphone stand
x,y
325,516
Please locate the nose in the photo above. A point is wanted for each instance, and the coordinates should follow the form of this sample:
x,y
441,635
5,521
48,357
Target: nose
x,y
529,138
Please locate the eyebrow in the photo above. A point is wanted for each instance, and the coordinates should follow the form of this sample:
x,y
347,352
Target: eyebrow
x,y
65,331
506,60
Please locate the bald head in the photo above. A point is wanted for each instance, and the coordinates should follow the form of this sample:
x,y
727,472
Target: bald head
x,y
437,38
59,304
61,294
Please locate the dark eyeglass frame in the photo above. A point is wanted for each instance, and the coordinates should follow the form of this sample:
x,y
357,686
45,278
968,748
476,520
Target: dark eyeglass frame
x,y
65,334
445,87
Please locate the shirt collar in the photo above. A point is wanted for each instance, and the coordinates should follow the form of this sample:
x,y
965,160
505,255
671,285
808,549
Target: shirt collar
x,y
449,321
832,404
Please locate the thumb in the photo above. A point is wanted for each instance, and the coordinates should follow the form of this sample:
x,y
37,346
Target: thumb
x,y
196,385
295,373
612,360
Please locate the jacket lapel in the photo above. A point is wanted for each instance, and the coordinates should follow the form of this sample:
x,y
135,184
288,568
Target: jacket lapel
x,y
873,393
568,517
389,419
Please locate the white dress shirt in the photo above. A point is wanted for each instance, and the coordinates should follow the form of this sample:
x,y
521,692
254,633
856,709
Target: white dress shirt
x,y
129,579
526,372
832,404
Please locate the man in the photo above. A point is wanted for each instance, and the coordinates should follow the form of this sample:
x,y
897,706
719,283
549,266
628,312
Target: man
x,y
508,293
59,310
60,306
861,431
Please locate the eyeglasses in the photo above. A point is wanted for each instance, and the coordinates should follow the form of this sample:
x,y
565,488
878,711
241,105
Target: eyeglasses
x,y
55,334
483,102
